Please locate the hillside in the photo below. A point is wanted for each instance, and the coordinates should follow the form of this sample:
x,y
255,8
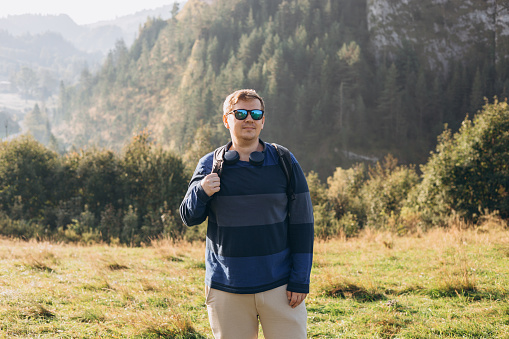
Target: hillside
x,y
97,37
38,52
339,85
46,52
441,33
81,37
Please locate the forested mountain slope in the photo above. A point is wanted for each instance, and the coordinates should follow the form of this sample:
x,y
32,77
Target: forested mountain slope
x,y
333,93
441,31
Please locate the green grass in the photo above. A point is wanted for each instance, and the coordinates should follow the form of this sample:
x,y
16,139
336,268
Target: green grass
x,y
442,284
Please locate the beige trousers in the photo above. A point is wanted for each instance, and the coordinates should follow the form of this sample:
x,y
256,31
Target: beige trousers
x,y
235,316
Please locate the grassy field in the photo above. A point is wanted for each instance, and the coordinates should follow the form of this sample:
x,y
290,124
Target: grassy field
x,y
443,284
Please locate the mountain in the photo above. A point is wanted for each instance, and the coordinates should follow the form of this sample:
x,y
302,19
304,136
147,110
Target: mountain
x,y
96,37
47,56
37,52
131,24
82,37
340,83
32,24
440,31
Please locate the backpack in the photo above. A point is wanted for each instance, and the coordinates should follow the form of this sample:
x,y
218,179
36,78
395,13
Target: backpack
x,y
285,162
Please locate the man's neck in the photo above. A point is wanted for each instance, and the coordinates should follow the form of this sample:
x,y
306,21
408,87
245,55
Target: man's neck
x,y
245,149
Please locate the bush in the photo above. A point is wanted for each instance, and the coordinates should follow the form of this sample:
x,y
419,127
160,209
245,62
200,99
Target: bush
x,y
349,225
154,180
98,178
20,228
343,190
130,227
110,224
317,190
385,193
326,222
338,205
351,201
26,177
469,171
91,195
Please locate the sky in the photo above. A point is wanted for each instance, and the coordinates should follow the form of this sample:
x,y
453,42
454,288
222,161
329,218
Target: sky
x,y
81,11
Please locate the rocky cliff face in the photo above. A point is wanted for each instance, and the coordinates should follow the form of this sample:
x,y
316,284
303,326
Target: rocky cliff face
x,y
440,30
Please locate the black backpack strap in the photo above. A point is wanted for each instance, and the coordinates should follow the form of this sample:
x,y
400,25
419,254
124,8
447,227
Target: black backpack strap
x,y
285,161
217,162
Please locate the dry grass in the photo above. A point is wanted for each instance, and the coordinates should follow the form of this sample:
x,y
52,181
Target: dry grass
x,y
115,266
356,291
149,286
441,284
37,311
171,325
94,315
178,251
445,283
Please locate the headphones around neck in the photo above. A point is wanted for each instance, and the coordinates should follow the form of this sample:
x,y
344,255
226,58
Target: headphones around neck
x,y
255,158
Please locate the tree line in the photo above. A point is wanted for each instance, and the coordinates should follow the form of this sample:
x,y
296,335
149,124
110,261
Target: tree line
x,y
95,195
466,178
132,196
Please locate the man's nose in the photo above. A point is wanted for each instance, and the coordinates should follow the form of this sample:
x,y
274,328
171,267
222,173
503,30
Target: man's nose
x,y
249,117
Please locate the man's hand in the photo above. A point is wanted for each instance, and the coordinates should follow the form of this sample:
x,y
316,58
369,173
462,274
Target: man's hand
x,y
295,298
211,184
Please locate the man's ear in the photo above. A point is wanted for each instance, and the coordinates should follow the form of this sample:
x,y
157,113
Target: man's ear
x,y
263,121
225,121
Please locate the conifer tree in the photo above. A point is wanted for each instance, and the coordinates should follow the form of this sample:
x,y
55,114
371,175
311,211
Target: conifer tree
x,y
389,106
476,95
422,104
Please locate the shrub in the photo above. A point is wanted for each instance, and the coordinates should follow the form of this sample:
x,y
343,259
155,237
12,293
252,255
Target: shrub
x,y
26,176
326,223
469,171
130,227
385,193
343,190
98,178
153,179
317,190
91,194
349,225
336,206
152,225
20,228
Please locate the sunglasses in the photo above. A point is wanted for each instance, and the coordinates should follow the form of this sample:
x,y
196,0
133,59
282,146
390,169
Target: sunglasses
x,y
241,114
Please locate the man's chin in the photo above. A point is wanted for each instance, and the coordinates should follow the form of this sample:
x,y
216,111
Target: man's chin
x,y
248,138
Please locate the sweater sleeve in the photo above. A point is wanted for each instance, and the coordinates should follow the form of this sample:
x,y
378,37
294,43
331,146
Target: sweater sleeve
x,y
301,233
194,207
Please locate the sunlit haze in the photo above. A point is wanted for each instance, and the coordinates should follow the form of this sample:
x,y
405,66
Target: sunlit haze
x,y
82,12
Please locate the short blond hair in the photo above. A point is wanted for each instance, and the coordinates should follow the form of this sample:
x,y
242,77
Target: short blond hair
x,y
240,95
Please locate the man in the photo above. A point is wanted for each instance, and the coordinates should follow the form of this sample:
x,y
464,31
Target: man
x,y
259,242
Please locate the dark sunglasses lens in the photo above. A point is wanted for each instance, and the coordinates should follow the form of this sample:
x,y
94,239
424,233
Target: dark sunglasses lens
x,y
240,114
256,114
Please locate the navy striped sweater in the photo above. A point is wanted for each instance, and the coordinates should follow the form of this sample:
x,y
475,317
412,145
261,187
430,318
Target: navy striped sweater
x,y
253,244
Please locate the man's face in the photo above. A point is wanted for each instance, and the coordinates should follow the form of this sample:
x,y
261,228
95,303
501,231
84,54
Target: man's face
x,y
247,129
